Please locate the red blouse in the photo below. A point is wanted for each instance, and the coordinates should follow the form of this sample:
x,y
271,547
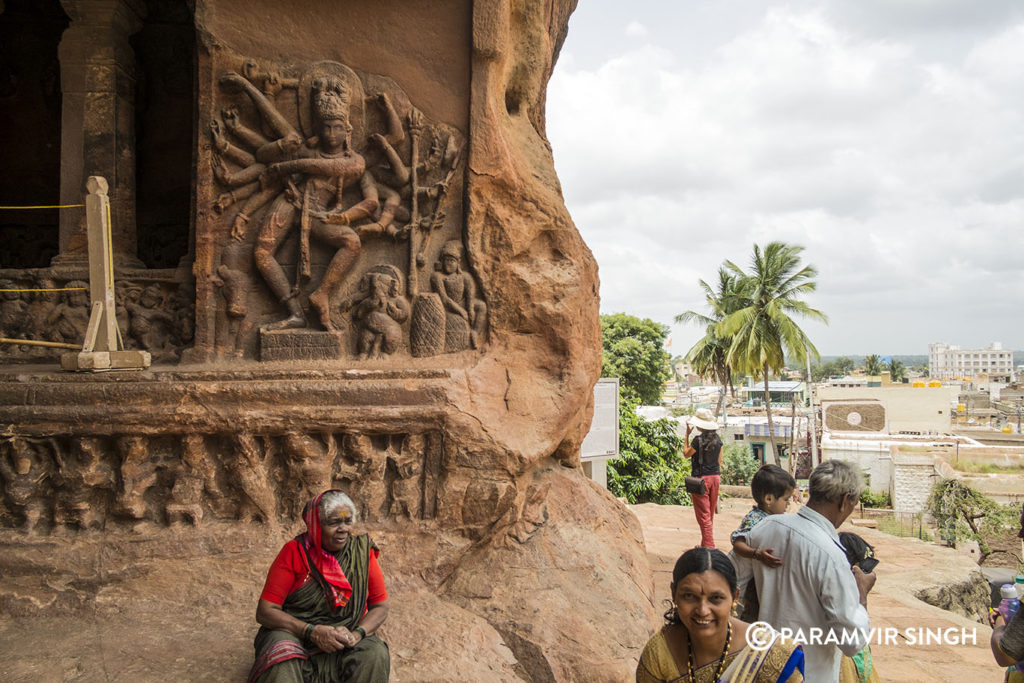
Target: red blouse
x,y
288,573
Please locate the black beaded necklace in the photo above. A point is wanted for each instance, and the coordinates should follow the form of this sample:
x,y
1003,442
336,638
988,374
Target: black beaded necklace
x,y
721,660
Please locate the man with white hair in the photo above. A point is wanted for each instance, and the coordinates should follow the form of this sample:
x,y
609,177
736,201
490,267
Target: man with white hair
x,y
815,587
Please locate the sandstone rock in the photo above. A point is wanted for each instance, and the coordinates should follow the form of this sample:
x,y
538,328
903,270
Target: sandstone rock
x,y
969,598
151,504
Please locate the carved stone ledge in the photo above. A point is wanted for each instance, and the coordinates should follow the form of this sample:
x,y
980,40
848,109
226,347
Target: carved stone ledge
x,y
301,345
262,400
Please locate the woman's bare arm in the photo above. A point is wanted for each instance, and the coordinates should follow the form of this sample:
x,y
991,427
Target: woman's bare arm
x,y
273,617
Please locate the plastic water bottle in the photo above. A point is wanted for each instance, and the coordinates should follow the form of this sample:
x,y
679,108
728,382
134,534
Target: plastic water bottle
x,y
1018,582
1010,603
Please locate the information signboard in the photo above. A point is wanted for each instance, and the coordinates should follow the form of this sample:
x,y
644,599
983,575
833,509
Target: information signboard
x,y
602,441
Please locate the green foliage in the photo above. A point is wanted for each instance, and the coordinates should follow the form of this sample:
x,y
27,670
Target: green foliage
x,y
873,365
875,500
708,356
633,350
844,365
840,367
897,371
965,465
682,411
650,467
738,465
762,331
963,513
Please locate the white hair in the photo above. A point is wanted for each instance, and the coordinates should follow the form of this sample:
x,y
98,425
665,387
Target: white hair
x,y
833,479
336,499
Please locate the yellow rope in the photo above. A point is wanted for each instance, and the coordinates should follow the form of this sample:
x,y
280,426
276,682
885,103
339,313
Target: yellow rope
x,y
56,289
110,248
44,206
33,342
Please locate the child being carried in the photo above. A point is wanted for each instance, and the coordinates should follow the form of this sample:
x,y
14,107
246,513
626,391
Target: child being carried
x,y
772,488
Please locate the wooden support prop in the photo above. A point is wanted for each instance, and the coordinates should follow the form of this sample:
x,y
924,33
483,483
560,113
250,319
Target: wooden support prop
x,y
102,349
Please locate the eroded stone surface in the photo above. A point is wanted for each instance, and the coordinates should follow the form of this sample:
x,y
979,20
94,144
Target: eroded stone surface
x,y
451,404
506,607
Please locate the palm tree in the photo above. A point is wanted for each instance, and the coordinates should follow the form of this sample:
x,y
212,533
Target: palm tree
x,y
762,333
873,365
708,355
897,371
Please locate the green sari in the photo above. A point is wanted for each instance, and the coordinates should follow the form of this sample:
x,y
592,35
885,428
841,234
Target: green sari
x,y
283,658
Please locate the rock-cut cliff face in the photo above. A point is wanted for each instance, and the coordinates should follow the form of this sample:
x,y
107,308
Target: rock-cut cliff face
x,y
390,298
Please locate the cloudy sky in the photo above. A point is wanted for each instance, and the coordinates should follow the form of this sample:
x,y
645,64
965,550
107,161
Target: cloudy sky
x,y
885,136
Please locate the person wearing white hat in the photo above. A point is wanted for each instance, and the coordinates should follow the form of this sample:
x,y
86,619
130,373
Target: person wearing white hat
x,y
705,453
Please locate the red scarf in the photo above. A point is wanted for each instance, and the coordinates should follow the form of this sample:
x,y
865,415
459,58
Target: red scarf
x,y
339,590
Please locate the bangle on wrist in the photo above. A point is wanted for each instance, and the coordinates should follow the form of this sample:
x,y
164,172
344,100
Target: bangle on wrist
x,y
361,631
308,631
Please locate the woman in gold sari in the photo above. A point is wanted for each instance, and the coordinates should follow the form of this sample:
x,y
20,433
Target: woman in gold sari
x,y
703,643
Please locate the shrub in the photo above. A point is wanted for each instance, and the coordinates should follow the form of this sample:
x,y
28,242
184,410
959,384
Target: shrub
x,y
963,513
875,500
650,467
738,465
681,411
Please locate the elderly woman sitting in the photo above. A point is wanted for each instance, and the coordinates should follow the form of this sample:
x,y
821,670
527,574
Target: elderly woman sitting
x,y
322,602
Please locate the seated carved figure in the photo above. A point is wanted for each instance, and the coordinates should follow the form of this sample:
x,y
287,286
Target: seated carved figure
x,y
380,312
149,324
465,314
69,318
323,600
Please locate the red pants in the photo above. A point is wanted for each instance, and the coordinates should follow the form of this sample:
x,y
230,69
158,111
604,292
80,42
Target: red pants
x,y
704,507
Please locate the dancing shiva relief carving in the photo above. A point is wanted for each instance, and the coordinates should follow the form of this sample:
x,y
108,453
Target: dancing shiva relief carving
x,y
337,200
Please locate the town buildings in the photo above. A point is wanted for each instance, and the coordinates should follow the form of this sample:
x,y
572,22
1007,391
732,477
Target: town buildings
x,y
946,361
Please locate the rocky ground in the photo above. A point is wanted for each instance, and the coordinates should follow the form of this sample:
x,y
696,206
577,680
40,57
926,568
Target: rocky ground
x,y
906,567
134,627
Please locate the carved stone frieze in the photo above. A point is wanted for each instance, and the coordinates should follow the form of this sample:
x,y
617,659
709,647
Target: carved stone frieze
x,y
154,315
61,484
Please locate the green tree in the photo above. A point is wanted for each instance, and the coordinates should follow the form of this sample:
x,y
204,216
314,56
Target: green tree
x,y
761,331
708,355
873,365
844,365
897,371
649,468
822,371
634,351
964,513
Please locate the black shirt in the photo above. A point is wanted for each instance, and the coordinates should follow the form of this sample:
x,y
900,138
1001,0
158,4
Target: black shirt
x,y
705,461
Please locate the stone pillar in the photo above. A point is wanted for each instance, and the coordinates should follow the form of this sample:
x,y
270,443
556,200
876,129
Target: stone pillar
x,y
97,67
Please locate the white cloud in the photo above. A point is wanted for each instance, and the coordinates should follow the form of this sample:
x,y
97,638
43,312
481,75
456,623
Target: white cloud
x,y
636,30
900,172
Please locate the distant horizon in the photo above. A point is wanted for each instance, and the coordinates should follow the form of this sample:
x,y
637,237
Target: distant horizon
x,y
826,357
1018,352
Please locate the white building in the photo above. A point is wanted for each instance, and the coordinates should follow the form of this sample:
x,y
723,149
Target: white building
x,y
891,409
946,361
